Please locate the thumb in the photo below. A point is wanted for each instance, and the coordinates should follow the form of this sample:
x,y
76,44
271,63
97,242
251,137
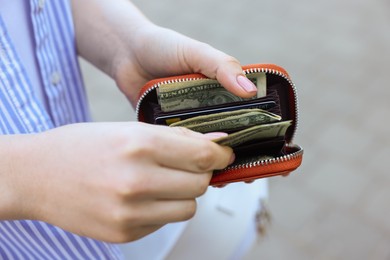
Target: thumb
x,y
218,65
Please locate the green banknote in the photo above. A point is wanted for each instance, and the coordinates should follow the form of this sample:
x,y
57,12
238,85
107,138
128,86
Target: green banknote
x,y
228,121
202,93
255,133
260,79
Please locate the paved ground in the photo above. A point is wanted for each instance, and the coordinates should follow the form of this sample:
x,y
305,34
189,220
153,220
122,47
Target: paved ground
x,y
338,53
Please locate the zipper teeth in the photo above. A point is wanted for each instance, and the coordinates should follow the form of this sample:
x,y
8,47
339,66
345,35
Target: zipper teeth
x,y
278,159
294,88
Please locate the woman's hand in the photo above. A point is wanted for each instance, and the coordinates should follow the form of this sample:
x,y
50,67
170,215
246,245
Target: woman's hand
x,y
160,52
115,182
120,40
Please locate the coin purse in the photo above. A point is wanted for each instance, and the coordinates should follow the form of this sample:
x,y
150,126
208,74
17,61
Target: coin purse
x,y
283,156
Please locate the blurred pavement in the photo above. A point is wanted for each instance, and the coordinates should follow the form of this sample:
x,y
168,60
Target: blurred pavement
x,y
337,205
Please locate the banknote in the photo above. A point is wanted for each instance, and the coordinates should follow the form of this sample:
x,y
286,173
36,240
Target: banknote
x,y
216,116
168,118
260,80
228,121
257,132
199,93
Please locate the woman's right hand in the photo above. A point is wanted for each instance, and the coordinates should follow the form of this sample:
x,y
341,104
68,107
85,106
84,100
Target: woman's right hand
x,y
115,182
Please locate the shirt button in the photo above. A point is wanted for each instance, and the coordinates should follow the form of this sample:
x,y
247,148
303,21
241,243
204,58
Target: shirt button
x,y
41,4
55,78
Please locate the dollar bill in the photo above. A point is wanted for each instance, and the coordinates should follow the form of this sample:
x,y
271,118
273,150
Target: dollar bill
x,y
221,115
229,121
255,133
260,80
193,94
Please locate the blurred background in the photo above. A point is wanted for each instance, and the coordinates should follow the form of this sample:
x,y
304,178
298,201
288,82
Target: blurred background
x,y
337,205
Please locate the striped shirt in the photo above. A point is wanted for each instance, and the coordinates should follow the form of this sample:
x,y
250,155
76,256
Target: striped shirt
x,y
22,110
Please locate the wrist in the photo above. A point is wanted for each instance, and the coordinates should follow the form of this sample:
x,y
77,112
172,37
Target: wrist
x,y
17,181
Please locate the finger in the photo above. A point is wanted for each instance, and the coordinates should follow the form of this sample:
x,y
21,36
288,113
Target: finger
x,y
214,135
160,212
135,233
125,233
218,65
164,183
238,84
180,148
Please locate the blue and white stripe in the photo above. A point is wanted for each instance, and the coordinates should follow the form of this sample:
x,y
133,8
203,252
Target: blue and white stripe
x,y
21,111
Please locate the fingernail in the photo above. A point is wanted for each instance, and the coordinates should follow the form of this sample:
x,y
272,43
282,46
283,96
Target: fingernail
x,y
246,84
215,135
232,158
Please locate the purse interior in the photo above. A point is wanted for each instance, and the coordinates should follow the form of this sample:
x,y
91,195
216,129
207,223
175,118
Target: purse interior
x,y
278,89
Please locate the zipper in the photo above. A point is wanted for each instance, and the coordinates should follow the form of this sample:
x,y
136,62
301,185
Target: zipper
x,y
257,163
293,87
266,162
